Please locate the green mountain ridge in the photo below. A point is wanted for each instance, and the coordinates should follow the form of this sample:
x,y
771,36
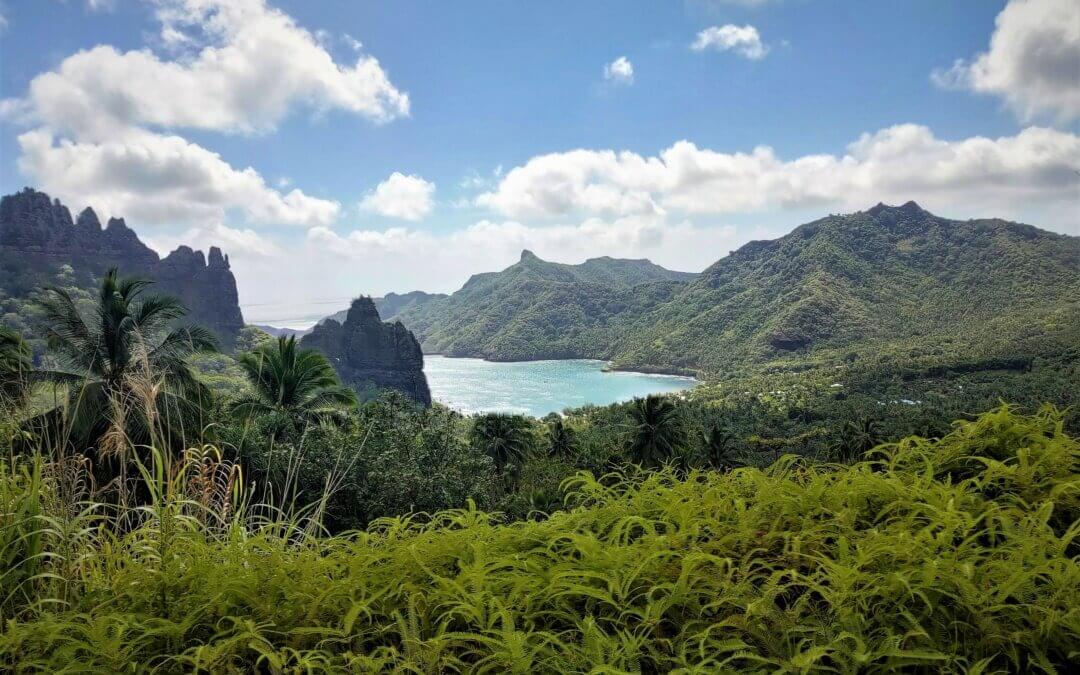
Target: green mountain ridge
x,y
537,309
892,282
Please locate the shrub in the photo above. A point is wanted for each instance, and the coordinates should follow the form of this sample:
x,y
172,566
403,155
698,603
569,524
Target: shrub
x,y
955,555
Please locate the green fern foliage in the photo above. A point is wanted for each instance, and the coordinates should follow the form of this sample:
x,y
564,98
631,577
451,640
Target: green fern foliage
x,y
952,555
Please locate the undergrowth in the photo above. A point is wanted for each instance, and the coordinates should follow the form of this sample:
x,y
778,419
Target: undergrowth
x,y
954,555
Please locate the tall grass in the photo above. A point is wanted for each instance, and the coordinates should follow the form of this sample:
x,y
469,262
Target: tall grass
x,y
955,555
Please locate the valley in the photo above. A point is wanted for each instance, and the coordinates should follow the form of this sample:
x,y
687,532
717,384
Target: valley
x,y
712,336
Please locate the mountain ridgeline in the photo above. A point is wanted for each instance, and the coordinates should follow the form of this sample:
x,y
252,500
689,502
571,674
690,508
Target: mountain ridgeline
x,y
536,309
41,244
888,283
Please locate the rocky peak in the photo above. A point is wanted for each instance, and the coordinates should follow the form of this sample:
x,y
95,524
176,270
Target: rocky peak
x,y
215,260
528,256
185,257
370,355
889,215
362,311
40,230
87,223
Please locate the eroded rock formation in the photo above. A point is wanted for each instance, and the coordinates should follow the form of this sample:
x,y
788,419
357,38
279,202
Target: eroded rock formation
x,y
370,355
40,233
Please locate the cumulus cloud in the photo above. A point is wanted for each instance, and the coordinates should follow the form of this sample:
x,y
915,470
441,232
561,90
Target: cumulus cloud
x,y
895,164
401,196
619,71
245,66
161,179
743,40
1033,61
106,121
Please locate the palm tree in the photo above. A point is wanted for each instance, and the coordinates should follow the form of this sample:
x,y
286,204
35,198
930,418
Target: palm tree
x,y
15,366
125,367
560,438
506,439
656,429
719,443
857,438
299,384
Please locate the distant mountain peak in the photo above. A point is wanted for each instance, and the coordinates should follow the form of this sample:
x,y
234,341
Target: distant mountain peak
x,y
908,208
526,255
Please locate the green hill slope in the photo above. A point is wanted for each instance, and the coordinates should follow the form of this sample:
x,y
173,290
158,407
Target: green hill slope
x,y
890,284
891,281
537,309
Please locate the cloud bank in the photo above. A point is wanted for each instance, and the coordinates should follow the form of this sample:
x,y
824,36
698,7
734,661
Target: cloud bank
x,y
897,163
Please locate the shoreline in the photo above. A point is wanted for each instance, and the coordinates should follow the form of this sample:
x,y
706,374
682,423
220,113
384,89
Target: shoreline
x,y
607,368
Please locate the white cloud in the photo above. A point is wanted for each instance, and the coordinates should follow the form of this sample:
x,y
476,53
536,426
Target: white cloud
x,y
1033,62
252,66
401,196
619,71
106,119
444,261
1037,166
237,243
743,40
158,179
352,42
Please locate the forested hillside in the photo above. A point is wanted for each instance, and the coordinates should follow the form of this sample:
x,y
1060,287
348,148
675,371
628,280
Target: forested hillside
x,y
888,282
538,309
894,284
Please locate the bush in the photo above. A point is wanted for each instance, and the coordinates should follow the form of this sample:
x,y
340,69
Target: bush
x,y
957,555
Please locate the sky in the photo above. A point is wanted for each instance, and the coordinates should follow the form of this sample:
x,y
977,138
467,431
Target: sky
x,y
339,147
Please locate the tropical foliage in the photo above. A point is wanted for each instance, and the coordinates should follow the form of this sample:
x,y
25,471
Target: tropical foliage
x,y
506,439
15,366
298,384
656,431
954,555
124,365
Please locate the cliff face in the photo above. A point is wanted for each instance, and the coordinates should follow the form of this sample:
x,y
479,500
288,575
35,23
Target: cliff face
x,y
368,353
41,233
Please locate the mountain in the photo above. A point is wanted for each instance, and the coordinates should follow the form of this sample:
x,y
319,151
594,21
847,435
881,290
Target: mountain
x,y
369,354
40,244
391,305
537,309
274,331
894,282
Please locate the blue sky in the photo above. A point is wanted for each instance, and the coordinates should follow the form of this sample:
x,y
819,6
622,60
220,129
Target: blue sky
x,y
500,97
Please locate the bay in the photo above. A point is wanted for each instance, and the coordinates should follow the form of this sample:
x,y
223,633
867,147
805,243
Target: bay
x,y
537,387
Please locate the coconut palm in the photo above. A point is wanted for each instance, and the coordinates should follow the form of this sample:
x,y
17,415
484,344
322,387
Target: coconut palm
x,y
719,445
295,383
656,429
857,438
560,438
15,367
506,439
124,364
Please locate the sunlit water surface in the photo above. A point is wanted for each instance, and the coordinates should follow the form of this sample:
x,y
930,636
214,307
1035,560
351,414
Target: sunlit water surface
x,y
537,387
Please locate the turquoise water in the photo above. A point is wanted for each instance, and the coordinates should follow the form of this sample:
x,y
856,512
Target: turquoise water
x,y
537,387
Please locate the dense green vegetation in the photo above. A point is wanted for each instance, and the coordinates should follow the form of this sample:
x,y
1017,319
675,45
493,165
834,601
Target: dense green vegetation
x,y
897,286
538,309
958,555
813,506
